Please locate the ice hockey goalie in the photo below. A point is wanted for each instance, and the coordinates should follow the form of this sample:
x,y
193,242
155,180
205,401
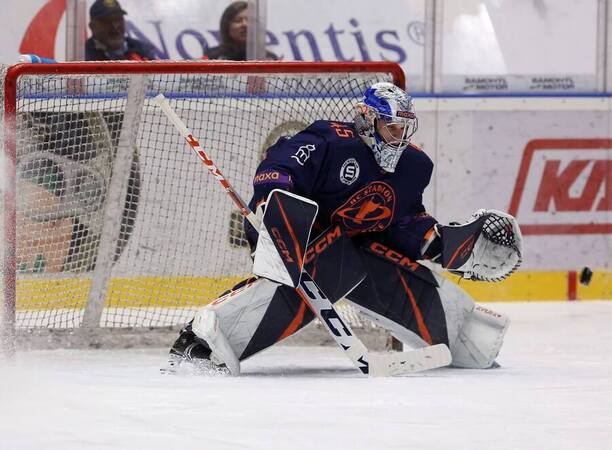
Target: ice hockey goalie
x,y
364,181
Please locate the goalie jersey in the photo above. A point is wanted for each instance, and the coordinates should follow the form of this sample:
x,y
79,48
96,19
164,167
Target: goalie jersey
x,y
329,163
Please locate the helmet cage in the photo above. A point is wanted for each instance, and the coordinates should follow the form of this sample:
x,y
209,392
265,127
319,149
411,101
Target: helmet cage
x,y
398,130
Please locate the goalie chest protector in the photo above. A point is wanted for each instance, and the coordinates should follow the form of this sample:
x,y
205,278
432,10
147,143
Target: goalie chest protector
x,y
330,164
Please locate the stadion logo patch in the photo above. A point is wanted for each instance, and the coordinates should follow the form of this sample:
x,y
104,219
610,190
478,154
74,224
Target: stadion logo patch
x,y
564,186
368,210
349,171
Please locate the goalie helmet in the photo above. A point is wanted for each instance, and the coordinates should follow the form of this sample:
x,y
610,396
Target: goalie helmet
x,y
386,121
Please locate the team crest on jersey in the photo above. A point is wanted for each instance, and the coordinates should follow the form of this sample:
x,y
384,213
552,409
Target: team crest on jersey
x,y
370,209
303,153
349,171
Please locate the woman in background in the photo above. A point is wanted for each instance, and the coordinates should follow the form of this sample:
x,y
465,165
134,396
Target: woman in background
x,y
233,29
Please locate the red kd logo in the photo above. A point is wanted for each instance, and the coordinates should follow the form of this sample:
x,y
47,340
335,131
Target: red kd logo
x,y
564,186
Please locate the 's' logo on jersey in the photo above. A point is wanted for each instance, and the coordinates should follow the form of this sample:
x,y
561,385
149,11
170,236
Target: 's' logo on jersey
x,y
369,209
303,153
349,171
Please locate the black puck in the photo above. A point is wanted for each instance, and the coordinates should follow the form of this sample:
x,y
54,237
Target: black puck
x,y
585,276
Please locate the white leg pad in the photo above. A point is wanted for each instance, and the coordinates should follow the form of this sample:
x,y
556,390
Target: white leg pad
x,y
458,306
206,326
475,333
480,339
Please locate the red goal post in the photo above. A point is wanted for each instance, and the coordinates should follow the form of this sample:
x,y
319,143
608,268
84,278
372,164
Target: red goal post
x,y
98,186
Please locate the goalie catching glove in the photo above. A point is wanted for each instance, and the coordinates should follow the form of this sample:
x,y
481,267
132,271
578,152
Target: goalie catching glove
x,y
487,247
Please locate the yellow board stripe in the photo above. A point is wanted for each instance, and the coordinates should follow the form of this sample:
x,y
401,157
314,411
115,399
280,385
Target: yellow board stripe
x,y
188,292
137,292
537,286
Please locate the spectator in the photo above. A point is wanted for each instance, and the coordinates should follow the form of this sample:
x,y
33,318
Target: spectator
x,y
108,40
233,29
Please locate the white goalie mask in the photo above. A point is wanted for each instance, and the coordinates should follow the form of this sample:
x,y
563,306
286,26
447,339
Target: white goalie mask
x,y
386,121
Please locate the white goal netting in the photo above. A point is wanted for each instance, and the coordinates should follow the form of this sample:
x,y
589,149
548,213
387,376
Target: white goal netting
x,y
117,224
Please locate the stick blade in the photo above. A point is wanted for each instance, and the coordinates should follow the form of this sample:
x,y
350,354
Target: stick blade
x,y
401,363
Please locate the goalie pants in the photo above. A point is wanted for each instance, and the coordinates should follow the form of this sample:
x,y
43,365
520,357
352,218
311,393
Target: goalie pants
x,y
418,307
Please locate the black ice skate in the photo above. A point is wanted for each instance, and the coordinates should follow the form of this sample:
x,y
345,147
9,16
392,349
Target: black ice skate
x,y
191,355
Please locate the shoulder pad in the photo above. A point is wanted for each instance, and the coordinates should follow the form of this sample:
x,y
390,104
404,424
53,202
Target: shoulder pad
x,y
334,130
415,155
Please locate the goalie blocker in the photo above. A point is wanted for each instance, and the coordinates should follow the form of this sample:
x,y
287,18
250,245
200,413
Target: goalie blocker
x,y
419,307
282,242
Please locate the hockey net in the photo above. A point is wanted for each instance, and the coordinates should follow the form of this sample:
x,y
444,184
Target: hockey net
x,y
104,221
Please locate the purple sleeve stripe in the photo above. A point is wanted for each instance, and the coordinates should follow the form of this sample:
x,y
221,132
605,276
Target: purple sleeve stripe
x,y
272,177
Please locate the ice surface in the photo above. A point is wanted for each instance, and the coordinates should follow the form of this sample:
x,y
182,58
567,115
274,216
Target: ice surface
x,y
554,391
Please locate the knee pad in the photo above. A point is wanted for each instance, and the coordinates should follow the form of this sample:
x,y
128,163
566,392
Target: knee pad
x,y
258,314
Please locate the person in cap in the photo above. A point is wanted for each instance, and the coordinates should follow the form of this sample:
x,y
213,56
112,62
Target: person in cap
x,y
108,40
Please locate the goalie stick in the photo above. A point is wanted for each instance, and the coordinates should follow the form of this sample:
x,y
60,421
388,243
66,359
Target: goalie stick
x,y
376,365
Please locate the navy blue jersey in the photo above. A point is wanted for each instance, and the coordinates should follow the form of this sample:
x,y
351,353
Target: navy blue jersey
x,y
329,163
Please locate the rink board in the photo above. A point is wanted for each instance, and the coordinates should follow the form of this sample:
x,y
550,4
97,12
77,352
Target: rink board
x,y
190,292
